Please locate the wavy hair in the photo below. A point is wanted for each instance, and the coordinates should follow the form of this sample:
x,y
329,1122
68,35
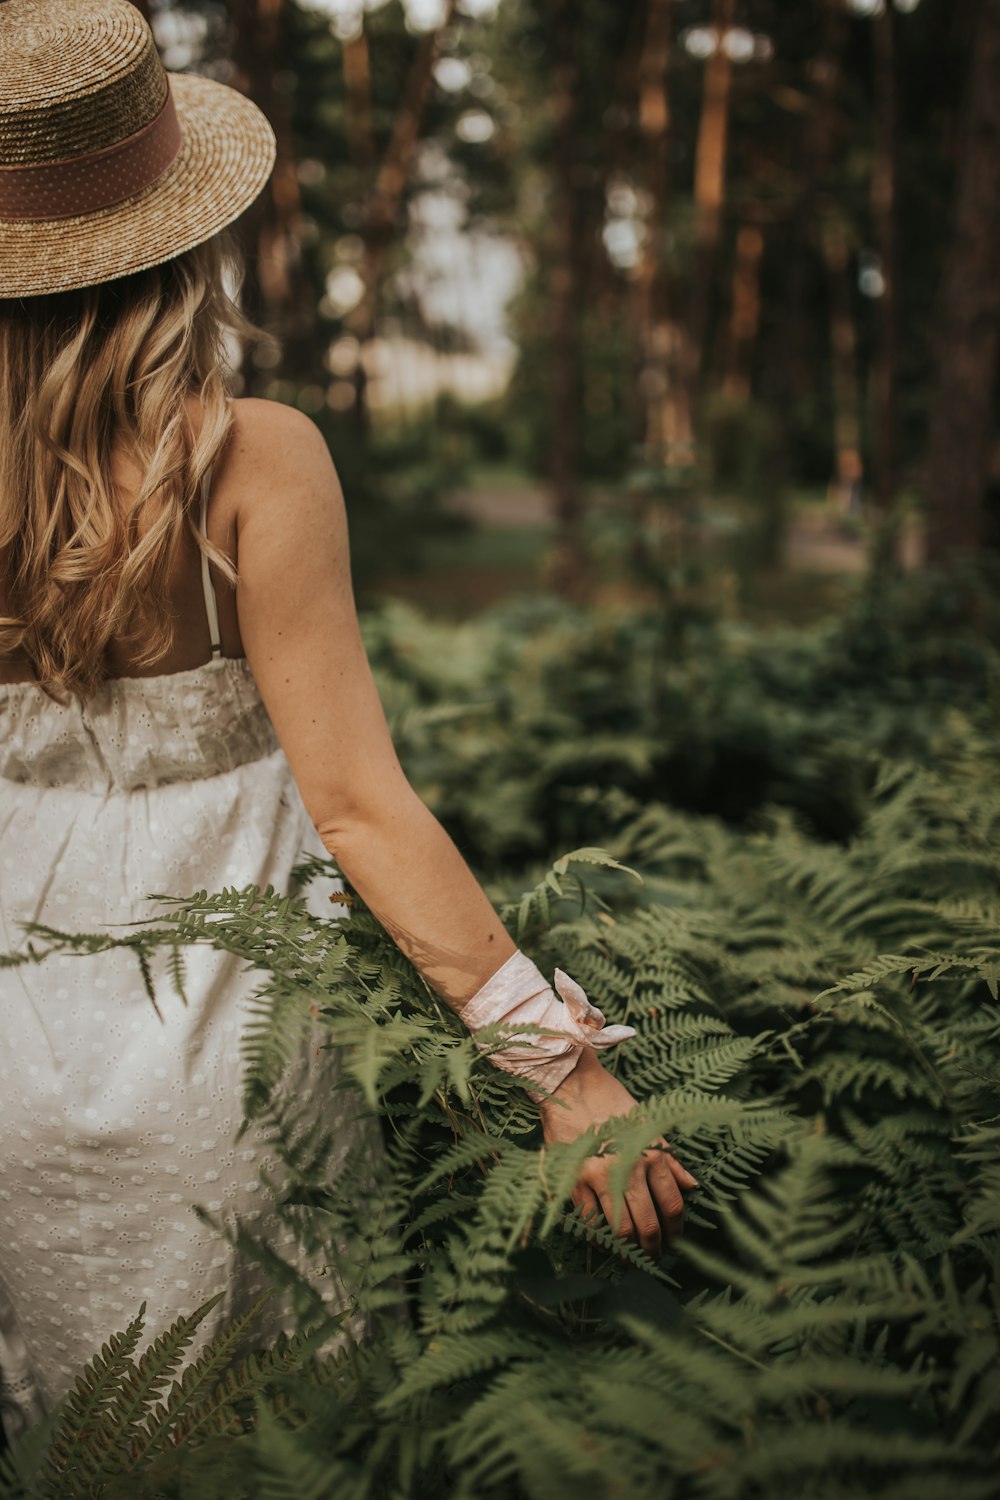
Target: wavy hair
x,y
83,373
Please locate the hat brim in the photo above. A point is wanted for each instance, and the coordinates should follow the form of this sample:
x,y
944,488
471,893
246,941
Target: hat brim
x,y
226,156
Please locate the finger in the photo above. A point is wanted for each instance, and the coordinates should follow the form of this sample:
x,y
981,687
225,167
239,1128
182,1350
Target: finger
x,y
683,1176
667,1196
586,1202
622,1223
644,1217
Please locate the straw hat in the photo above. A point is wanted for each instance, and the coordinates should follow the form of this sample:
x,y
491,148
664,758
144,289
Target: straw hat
x,y
107,164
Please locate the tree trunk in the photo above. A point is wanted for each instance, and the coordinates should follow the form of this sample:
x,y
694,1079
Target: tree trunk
x,y
968,322
650,292
358,88
848,468
845,486
744,319
568,567
380,227
272,289
665,430
360,134
885,373
666,425
709,186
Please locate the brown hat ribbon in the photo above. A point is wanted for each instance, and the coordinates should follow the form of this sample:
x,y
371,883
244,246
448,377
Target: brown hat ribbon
x,y
97,179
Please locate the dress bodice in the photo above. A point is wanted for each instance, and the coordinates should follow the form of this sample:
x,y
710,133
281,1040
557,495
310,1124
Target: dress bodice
x,y
136,732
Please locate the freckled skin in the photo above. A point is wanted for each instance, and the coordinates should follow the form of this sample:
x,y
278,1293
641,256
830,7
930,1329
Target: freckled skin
x,y
282,490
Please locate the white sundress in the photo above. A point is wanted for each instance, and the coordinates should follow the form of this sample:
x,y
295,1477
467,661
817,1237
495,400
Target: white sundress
x,y
113,1123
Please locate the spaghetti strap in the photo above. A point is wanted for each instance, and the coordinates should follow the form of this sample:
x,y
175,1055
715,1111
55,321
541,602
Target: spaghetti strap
x,y
211,604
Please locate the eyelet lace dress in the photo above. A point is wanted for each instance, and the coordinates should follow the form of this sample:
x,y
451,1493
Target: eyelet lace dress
x,y
113,1122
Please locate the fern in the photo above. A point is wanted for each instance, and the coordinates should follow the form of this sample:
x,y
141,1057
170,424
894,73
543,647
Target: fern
x,y
814,984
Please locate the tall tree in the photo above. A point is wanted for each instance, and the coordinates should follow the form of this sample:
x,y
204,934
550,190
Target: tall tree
x,y
884,214
710,183
661,336
380,225
650,292
274,288
744,315
848,462
358,89
566,282
968,324
828,133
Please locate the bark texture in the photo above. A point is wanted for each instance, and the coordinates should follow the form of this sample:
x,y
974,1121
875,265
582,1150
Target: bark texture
x,y
827,146
273,287
884,216
969,316
382,209
744,316
568,568
848,465
711,154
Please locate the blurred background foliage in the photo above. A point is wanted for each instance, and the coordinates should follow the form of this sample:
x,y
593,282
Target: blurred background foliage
x,y
599,298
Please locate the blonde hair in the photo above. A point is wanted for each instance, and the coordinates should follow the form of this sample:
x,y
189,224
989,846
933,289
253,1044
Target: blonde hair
x,y
83,373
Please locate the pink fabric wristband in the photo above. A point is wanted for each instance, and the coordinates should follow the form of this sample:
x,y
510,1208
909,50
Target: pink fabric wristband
x,y
519,994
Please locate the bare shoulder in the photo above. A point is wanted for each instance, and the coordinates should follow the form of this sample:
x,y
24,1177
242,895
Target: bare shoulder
x,y
270,428
276,458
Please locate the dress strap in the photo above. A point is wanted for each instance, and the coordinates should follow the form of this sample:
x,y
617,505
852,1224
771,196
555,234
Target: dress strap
x,y
211,604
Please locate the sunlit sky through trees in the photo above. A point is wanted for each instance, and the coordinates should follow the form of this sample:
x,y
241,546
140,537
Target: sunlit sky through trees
x,y
464,268
465,277
423,15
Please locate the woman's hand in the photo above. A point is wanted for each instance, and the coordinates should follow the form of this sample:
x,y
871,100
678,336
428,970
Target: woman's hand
x,y
653,1204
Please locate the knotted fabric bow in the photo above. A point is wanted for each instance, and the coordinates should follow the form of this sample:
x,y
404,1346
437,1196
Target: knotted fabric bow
x,y
518,995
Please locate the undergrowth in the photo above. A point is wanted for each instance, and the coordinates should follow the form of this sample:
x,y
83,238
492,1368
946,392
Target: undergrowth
x,y
819,1037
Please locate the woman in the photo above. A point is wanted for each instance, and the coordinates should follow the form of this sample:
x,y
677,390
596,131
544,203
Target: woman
x,y
166,725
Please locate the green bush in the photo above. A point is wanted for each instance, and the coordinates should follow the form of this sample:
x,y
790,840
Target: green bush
x,y
501,720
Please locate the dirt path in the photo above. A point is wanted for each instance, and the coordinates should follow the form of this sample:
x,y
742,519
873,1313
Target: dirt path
x,y
503,505
816,542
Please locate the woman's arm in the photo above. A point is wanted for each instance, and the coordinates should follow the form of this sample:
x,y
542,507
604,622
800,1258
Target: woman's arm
x,y
300,631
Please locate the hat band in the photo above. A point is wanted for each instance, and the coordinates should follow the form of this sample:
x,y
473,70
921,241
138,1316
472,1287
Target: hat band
x,y
98,179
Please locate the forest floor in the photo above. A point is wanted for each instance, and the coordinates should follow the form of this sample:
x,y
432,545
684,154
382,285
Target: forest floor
x,y
817,539
821,560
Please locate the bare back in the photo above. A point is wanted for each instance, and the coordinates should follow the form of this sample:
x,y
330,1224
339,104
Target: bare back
x,y
277,509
